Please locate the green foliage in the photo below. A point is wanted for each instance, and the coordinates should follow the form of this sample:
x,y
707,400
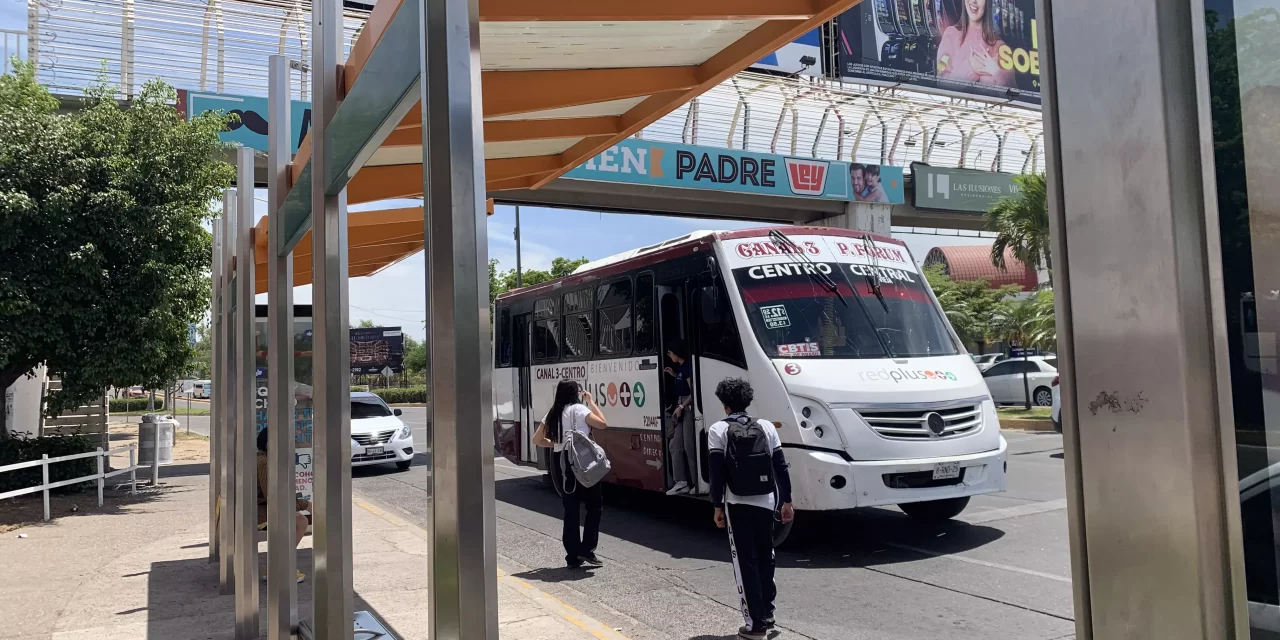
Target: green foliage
x,y
1030,322
103,254
134,405
22,448
364,324
402,395
969,305
415,356
1021,223
502,281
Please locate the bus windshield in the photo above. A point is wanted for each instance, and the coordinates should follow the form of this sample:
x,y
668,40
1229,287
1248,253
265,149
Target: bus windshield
x,y
795,314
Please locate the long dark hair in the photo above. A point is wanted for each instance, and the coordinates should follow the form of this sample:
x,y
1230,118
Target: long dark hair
x,y
989,35
567,393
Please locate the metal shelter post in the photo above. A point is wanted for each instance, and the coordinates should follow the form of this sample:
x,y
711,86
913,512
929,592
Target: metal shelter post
x,y
224,386
282,562
246,480
215,413
1143,348
334,600
462,560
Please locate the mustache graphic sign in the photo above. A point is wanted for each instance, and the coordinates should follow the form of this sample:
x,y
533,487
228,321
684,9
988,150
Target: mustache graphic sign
x,y
251,126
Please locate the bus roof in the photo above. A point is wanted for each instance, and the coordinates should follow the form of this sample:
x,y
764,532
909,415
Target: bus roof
x,y
667,249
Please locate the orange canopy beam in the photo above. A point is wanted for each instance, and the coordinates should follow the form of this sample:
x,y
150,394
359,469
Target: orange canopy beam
x,y
649,10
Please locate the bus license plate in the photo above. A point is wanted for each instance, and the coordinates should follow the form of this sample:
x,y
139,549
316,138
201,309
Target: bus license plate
x,y
377,451
946,470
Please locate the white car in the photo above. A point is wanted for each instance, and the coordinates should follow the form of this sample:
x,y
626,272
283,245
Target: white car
x,y
1055,414
987,360
1004,381
378,435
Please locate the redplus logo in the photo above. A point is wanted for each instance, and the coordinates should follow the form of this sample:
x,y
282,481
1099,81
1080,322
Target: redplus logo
x,y
807,177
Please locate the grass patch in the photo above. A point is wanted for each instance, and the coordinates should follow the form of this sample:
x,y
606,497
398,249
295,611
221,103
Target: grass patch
x,y
183,435
1036,413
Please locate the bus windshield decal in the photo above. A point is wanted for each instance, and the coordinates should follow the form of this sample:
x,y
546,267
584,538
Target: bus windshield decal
x,y
775,316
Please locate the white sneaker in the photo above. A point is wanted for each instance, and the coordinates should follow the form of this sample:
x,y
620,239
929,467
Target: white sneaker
x,y
680,488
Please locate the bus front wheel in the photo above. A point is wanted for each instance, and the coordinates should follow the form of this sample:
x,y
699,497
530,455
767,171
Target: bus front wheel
x,y
935,510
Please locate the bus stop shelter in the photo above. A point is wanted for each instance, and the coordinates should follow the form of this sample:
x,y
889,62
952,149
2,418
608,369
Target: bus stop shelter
x,y
447,100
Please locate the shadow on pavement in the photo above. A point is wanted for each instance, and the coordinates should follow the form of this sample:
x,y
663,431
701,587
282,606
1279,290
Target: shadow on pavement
x,y
183,600
682,527
555,574
28,511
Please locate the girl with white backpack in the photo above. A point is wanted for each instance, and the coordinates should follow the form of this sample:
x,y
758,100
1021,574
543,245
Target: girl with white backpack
x,y
574,410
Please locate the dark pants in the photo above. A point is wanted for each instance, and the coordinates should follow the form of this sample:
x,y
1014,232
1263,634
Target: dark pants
x,y
575,545
751,545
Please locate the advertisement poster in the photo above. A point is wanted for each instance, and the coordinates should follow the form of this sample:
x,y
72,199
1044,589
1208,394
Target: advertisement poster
x,y
376,349
251,130
302,378
693,167
984,49
949,189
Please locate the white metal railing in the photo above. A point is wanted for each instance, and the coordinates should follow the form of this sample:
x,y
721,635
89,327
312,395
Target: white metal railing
x,y
101,476
13,43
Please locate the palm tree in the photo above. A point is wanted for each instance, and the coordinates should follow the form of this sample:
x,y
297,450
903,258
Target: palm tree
x,y
1021,224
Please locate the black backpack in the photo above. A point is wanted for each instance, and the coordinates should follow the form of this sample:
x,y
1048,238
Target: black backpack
x,y
748,457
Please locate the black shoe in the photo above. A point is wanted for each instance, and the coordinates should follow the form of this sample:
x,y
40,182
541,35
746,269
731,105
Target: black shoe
x,y
754,632
573,564
591,559
769,623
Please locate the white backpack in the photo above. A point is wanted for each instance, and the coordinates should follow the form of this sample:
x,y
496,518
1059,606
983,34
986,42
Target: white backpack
x,y
587,459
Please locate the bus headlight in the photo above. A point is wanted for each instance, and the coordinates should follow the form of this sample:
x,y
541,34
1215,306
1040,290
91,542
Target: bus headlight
x,y
817,431
807,412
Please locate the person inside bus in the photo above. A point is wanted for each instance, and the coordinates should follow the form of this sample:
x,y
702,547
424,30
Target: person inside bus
x,y
750,487
684,441
574,410
299,519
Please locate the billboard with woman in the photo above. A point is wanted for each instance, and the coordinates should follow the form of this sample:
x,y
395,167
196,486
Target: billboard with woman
x,y
985,49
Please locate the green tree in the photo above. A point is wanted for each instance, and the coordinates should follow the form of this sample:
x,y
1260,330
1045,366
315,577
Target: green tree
x,y
363,323
1021,223
103,253
503,281
200,362
415,356
969,304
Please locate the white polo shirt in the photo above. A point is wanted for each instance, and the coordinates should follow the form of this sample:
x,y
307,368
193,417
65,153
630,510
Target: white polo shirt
x,y
716,440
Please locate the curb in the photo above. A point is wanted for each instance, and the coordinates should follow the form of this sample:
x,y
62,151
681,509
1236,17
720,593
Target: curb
x,y
547,601
1022,424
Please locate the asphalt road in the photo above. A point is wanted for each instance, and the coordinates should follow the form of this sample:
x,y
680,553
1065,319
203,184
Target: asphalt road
x,y
1002,571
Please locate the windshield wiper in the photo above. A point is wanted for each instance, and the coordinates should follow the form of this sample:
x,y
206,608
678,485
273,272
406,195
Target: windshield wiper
x,y
797,251
829,284
873,278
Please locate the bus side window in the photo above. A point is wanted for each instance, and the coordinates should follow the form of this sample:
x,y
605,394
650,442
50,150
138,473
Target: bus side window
x,y
613,318
502,338
717,328
546,340
577,326
645,343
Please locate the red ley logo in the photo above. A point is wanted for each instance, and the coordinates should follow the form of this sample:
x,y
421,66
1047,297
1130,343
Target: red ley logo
x,y
807,177
792,368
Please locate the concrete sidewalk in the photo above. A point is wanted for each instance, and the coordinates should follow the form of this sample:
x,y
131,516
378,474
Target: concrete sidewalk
x,y
139,568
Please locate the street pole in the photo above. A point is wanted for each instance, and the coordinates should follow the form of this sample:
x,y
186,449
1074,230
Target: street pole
x,y
519,278
1026,386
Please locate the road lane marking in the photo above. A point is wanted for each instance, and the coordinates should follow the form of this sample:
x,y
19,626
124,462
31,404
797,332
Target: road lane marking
x,y
1014,512
981,563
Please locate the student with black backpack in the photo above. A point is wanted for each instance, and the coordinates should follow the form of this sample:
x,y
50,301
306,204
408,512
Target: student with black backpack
x,y
746,455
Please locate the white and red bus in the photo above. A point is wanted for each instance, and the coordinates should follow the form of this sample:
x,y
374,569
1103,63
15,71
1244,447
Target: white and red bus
x,y
849,353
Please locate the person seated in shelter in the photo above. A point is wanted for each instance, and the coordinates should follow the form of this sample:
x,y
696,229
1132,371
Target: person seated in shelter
x,y
299,519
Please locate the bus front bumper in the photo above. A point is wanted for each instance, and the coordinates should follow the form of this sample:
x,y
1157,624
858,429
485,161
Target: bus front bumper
x,y
825,481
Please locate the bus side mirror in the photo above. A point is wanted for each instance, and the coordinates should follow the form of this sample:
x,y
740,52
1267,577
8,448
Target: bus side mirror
x,y
707,302
712,266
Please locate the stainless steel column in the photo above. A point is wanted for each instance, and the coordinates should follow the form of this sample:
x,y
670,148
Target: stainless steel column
x,y
334,601
1137,245
224,386
462,559
215,438
282,562
246,484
